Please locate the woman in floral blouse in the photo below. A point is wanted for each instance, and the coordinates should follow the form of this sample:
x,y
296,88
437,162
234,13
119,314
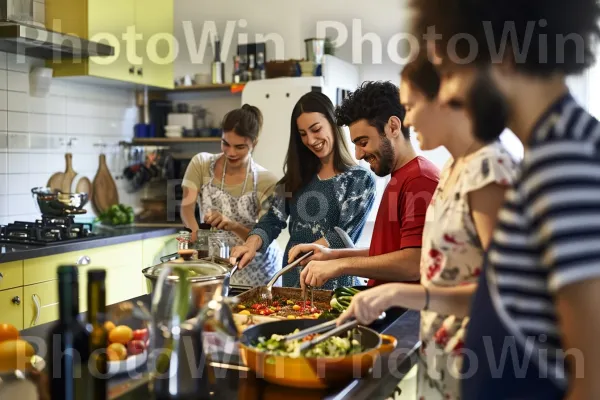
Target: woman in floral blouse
x,y
458,228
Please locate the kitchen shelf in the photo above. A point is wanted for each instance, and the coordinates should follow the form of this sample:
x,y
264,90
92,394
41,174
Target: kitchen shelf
x,y
176,140
234,88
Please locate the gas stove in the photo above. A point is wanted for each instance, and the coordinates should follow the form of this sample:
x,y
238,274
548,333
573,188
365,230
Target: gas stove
x,y
48,230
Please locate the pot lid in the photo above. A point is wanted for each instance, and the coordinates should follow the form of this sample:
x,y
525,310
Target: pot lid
x,y
199,270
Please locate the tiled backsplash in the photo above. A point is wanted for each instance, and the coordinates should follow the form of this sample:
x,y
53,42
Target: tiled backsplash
x,y
34,132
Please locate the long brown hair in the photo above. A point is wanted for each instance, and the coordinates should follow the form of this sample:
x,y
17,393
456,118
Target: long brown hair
x,y
301,164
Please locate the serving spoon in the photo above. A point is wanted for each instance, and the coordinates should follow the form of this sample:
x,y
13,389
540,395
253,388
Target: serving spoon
x,y
267,291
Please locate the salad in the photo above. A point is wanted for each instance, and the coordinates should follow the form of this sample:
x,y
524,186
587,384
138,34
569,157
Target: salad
x,y
336,346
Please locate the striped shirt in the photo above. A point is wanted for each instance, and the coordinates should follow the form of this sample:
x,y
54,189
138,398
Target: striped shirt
x,y
548,232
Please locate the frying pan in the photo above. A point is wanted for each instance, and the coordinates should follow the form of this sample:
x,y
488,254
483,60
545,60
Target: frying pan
x,y
312,373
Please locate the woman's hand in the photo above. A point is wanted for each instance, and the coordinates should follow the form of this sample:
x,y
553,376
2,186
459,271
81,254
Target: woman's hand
x,y
244,254
320,253
368,305
219,221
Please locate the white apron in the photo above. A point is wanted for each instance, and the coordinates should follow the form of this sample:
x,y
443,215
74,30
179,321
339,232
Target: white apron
x,y
244,210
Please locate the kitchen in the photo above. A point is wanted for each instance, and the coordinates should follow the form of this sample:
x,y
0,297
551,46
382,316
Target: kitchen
x,y
90,112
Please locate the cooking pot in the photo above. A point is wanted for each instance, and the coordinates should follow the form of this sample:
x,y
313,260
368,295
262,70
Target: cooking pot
x,y
310,372
51,202
210,279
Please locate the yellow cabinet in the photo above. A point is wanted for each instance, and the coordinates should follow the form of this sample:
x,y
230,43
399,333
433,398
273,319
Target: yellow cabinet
x,y
130,26
11,304
11,275
40,303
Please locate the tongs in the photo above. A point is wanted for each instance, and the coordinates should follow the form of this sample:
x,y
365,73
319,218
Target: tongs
x,y
324,327
267,292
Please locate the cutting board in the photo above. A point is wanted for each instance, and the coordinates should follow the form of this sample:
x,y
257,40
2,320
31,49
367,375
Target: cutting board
x,y
58,180
104,189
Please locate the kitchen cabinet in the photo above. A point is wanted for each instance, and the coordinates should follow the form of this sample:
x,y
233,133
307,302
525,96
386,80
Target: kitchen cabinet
x,y
11,304
107,21
11,275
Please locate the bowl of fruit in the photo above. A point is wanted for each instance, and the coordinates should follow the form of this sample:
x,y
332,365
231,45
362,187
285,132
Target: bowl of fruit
x,y
127,348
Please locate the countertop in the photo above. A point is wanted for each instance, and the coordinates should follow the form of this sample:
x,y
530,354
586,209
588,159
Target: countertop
x,y
103,237
234,380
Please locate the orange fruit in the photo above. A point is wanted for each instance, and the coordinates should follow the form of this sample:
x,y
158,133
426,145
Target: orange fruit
x,y
8,332
120,334
15,354
116,352
109,326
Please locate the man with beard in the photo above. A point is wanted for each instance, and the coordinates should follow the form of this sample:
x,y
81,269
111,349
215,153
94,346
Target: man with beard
x,y
376,120
534,319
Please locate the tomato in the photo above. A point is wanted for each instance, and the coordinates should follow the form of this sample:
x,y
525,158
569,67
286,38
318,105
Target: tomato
x,y
140,334
135,347
256,306
308,302
275,303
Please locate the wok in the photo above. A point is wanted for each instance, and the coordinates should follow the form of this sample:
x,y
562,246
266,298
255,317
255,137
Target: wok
x,y
312,373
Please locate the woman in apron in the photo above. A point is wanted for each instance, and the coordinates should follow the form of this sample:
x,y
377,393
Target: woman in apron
x,y
233,192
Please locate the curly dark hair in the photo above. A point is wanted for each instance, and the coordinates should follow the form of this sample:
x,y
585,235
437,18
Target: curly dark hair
x,y
375,102
421,74
544,36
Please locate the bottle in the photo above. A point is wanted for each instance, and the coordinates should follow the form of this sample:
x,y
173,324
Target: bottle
x,y
237,73
251,67
96,300
68,344
260,66
218,68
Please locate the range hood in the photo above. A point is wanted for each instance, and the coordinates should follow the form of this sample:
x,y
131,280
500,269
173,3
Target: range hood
x,y
34,41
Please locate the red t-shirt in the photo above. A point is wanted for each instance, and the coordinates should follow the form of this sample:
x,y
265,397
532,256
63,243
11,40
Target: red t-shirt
x,y
401,215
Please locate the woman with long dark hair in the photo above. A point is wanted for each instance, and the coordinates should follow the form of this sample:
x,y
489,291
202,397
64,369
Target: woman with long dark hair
x,y
323,189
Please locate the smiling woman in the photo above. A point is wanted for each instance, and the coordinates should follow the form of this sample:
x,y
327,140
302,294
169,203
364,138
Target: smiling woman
x,y
324,190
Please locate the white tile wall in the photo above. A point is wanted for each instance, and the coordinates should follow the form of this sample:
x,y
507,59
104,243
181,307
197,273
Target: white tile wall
x,y
34,130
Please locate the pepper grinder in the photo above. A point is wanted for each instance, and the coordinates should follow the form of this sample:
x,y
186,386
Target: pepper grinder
x,y
218,67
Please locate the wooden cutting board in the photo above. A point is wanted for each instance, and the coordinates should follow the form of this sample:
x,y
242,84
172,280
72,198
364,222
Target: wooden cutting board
x,y
69,175
104,189
56,180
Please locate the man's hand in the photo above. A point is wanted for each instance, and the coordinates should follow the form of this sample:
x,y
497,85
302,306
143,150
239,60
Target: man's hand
x,y
219,221
368,305
316,273
320,253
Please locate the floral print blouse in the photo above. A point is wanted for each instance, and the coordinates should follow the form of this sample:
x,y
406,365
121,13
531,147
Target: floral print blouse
x,y
452,255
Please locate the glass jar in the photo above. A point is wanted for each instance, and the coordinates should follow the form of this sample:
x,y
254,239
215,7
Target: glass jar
x,y
185,249
218,245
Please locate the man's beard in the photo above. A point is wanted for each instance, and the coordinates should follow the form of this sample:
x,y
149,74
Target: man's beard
x,y
488,108
386,157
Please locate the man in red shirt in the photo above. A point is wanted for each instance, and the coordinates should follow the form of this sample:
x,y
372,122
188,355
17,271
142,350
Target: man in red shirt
x,y
375,117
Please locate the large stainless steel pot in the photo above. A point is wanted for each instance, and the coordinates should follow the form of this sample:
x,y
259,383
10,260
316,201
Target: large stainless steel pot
x,y
56,203
210,280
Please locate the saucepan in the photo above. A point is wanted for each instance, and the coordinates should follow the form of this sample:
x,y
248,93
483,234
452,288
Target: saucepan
x,y
310,372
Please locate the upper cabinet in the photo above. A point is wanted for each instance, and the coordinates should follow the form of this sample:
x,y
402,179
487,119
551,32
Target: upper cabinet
x,y
141,31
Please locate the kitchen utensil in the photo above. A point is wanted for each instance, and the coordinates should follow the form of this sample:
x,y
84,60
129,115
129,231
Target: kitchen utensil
x,y
346,239
55,203
305,372
315,50
104,189
57,179
208,280
69,174
84,185
345,327
267,292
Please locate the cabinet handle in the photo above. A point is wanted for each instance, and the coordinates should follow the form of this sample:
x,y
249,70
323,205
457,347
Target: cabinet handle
x,y
84,260
131,70
1,276
16,300
38,308
140,72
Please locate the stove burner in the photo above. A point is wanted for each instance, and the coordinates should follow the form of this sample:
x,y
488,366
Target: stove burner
x,y
49,229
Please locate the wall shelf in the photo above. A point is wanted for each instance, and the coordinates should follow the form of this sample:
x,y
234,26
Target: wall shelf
x,y
234,88
176,140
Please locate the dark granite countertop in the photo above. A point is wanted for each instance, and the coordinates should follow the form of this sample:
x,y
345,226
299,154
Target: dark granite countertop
x,y
104,237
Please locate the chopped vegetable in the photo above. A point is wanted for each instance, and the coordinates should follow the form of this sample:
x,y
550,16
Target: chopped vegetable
x,y
336,346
